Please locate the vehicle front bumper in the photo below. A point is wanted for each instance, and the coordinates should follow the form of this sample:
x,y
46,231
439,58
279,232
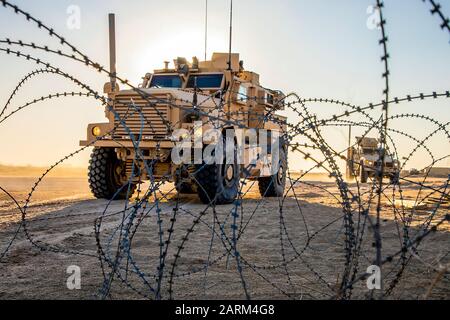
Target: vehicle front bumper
x,y
109,143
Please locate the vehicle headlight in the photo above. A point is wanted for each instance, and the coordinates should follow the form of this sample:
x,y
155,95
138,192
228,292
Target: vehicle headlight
x,y
96,131
185,136
180,137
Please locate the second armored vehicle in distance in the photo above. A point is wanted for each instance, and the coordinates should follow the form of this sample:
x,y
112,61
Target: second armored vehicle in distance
x,y
363,160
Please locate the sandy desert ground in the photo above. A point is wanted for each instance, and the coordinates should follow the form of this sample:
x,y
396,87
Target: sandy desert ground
x,y
62,215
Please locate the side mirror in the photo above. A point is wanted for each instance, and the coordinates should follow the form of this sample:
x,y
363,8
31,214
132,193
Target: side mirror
x,y
107,88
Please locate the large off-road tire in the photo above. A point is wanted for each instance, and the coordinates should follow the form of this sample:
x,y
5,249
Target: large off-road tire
x,y
184,187
394,178
363,174
273,186
106,175
218,183
350,164
349,172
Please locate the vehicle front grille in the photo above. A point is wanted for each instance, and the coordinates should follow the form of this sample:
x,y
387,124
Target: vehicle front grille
x,y
386,164
149,117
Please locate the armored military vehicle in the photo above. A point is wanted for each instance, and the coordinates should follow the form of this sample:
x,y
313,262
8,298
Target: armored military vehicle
x,y
363,160
144,124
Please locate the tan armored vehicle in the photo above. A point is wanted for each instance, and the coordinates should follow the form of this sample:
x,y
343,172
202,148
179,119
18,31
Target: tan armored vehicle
x,y
144,127
363,161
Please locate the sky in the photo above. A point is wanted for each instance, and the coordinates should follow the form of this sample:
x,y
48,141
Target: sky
x,y
320,48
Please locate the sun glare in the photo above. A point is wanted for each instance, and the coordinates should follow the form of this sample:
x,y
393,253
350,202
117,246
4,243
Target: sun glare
x,y
187,43
167,47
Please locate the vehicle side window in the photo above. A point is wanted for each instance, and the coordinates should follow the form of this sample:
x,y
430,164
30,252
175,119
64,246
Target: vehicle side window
x,y
242,93
269,99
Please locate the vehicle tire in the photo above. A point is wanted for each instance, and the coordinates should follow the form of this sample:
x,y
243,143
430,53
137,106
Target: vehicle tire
x,y
106,175
350,165
349,174
181,186
185,188
394,179
218,183
363,173
273,186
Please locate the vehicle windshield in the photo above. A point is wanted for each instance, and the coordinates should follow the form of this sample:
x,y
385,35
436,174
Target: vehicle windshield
x,y
368,150
205,81
166,81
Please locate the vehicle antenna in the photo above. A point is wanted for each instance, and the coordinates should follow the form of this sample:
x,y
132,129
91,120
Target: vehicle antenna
x,y
231,32
206,27
112,50
349,135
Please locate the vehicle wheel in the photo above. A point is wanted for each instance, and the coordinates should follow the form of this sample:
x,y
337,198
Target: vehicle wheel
x,y
273,186
107,175
363,173
184,187
181,186
350,164
218,183
349,174
394,179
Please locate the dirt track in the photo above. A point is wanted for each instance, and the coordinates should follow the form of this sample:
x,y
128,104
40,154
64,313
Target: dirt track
x,y
65,219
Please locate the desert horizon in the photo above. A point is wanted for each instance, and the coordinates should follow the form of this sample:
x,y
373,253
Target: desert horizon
x,y
65,171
